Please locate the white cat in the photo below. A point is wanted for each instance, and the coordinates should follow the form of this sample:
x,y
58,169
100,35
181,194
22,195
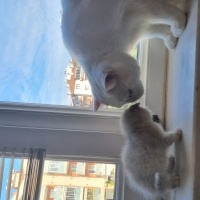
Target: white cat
x,y
144,156
99,34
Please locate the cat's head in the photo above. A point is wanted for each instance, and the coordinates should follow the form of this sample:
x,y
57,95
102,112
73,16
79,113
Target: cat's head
x,y
136,115
115,80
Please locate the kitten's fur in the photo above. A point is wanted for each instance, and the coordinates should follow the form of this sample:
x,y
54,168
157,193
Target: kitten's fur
x,y
99,34
144,156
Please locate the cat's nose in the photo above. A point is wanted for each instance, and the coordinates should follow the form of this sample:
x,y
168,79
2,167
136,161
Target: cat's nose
x,y
134,106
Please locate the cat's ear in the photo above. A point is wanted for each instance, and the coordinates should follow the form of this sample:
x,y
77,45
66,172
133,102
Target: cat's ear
x,y
96,104
109,81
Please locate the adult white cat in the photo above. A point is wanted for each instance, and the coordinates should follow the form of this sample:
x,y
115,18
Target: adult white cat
x,y
99,34
144,156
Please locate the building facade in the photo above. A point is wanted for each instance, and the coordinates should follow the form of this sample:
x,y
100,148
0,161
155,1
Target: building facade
x,y
78,86
70,180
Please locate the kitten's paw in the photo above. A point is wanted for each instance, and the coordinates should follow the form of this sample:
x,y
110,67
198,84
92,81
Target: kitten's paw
x,y
171,42
179,133
175,181
179,26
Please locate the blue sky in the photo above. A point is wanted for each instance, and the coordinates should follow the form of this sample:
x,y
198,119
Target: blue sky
x,y
32,56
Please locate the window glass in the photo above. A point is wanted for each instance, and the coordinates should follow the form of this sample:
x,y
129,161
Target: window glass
x,y
35,67
72,180
81,181
33,58
16,173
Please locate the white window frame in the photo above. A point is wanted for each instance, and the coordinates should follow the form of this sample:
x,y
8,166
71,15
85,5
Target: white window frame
x,y
81,134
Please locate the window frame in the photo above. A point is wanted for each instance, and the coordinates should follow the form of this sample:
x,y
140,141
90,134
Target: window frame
x,y
27,125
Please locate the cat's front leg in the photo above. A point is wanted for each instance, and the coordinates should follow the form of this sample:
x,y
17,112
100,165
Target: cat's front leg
x,y
163,32
169,15
172,137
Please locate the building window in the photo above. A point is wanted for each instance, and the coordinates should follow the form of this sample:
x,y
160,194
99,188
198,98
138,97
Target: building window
x,y
77,100
91,169
93,193
77,86
109,194
73,168
78,73
70,193
67,193
57,167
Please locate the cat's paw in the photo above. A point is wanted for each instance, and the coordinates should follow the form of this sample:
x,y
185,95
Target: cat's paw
x,y
175,181
171,42
179,133
179,26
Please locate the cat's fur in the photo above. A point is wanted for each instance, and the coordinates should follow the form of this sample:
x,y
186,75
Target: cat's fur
x,y
144,156
99,34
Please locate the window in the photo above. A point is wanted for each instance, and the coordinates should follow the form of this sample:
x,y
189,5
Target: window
x,y
68,193
91,169
77,86
86,135
78,73
109,194
73,168
34,71
10,167
33,76
39,58
57,167
93,194
78,184
72,193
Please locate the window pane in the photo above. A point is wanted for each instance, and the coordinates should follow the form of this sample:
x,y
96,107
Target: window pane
x,y
35,67
33,58
17,172
79,181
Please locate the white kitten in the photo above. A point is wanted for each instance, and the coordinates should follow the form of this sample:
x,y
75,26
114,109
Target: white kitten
x,y
99,34
144,156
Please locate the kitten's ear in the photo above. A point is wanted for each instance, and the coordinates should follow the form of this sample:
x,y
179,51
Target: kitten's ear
x,y
96,104
109,81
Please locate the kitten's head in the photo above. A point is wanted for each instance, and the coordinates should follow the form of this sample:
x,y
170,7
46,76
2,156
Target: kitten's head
x,y
136,115
116,81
